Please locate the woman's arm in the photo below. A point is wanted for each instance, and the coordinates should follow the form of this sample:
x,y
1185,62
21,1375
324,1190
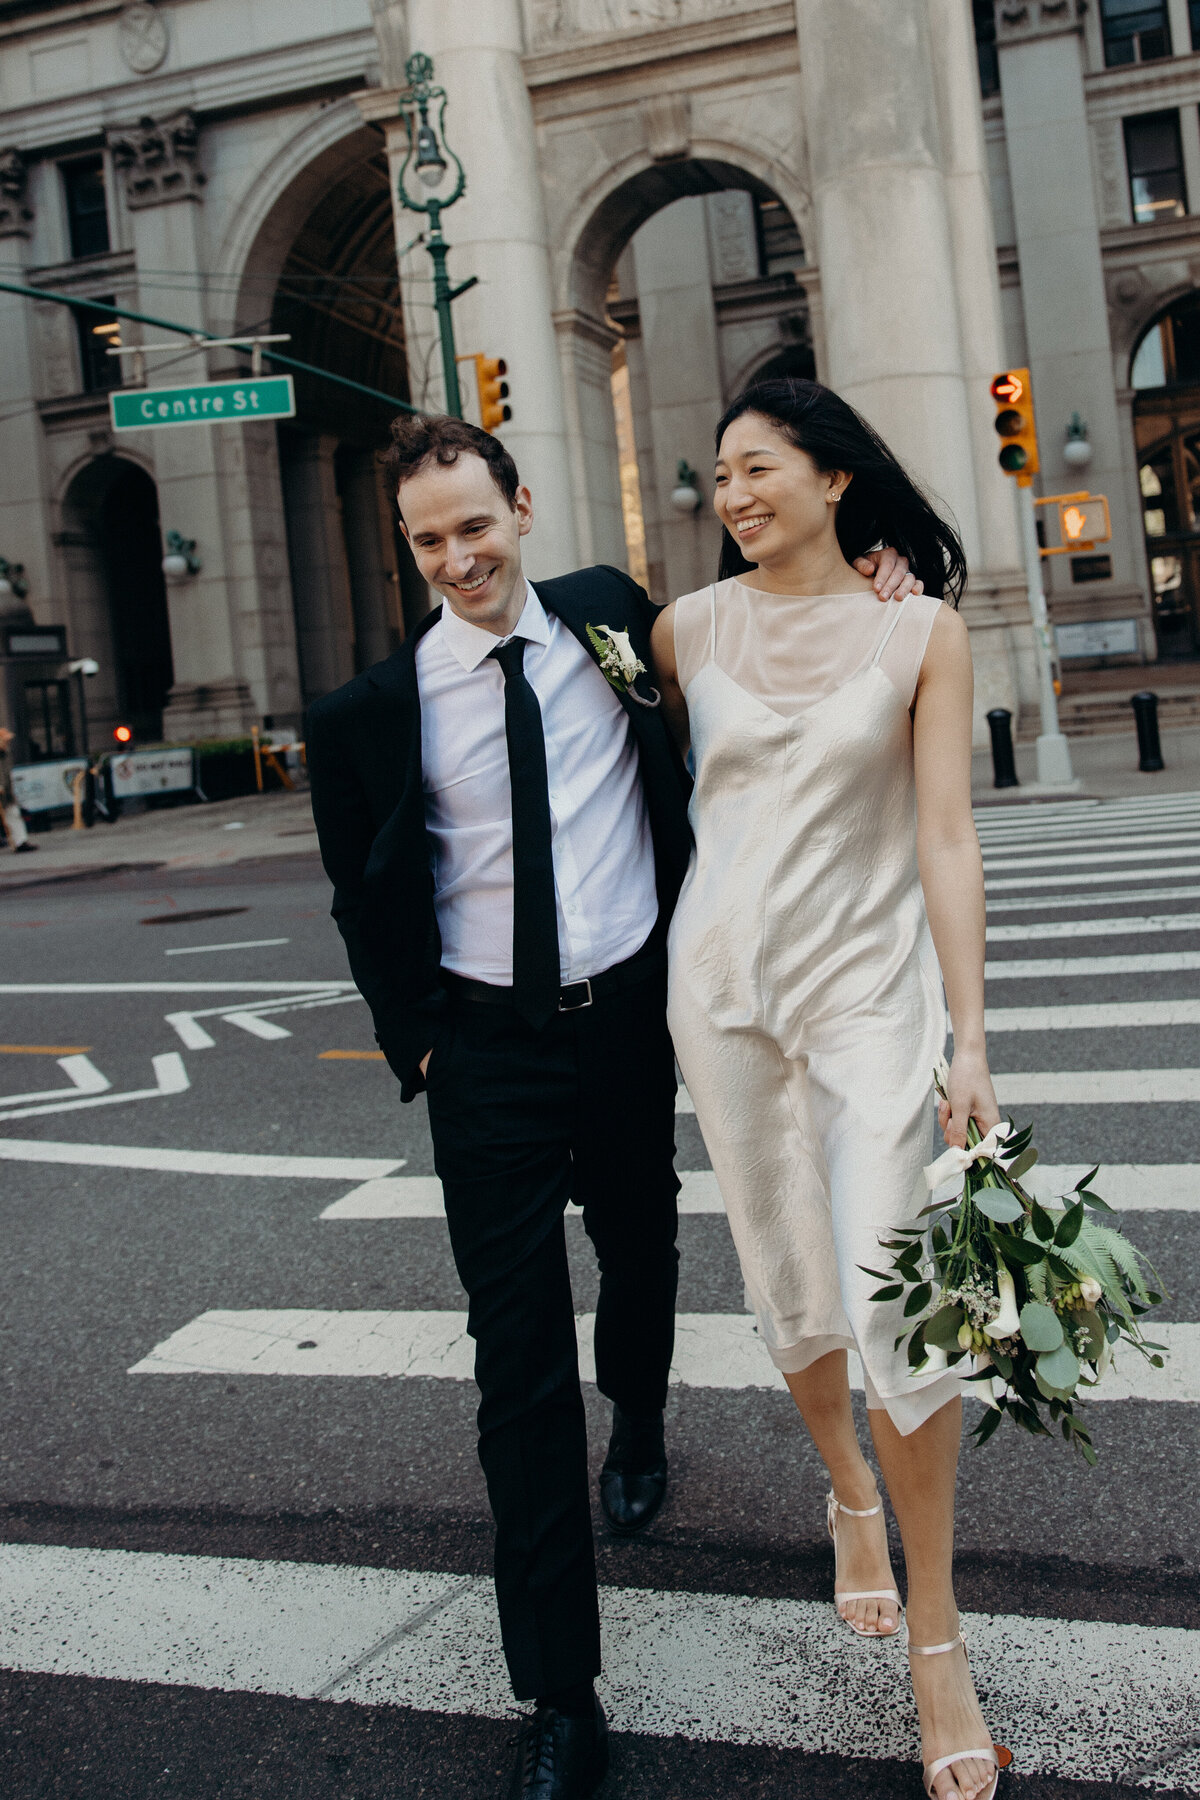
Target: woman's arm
x,y
666,677
951,865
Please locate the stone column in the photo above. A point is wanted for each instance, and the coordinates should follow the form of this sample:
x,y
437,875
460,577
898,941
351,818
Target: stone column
x,y
899,180
24,525
586,346
1062,289
369,573
320,577
498,231
683,375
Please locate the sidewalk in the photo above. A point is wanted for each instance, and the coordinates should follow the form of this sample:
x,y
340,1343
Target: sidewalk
x,y
184,837
1107,768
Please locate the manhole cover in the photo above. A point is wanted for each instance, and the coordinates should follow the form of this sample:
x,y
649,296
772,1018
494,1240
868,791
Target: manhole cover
x,y
188,918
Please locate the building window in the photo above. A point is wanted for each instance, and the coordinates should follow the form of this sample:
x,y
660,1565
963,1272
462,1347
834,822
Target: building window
x,y
87,207
1169,354
1155,159
1194,13
985,45
781,246
99,370
1134,31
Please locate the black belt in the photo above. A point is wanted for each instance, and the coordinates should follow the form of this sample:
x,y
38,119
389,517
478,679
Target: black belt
x,y
641,967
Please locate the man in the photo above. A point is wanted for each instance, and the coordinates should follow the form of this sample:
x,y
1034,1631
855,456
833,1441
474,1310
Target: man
x,y
505,827
11,817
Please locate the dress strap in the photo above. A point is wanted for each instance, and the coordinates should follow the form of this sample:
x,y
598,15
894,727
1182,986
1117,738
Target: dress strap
x,y
895,608
712,621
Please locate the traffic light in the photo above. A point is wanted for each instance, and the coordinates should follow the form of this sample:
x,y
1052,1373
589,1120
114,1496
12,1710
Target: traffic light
x,y
123,734
493,391
1013,393
1083,521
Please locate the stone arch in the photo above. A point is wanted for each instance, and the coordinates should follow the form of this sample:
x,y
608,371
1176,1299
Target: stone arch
x,y
110,543
1166,434
596,225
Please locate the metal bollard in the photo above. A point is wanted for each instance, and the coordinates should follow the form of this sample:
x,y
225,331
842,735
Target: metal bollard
x,y
1145,711
1005,769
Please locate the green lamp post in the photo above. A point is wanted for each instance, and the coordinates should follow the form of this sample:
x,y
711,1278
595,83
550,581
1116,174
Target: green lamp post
x,y
427,153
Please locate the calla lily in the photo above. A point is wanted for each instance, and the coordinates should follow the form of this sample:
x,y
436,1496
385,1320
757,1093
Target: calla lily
x,y
1090,1291
1106,1356
1007,1323
935,1361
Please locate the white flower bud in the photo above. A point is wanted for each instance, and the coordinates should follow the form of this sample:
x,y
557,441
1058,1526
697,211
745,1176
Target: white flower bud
x,y
1090,1291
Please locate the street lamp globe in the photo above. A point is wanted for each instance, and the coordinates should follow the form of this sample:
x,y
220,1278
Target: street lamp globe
x,y
430,164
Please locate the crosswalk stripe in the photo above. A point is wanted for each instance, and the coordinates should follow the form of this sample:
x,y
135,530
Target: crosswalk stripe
x,y
1098,1087
1092,878
1122,1015
1075,860
1078,928
1041,968
1129,1187
1055,902
720,1668
198,1162
712,1350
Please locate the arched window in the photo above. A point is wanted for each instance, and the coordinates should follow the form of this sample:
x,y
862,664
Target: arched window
x,y
1169,354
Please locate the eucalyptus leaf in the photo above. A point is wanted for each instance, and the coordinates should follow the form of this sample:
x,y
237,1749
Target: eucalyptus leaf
x,y
1024,1162
1059,1368
998,1204
943,1328
1041,1327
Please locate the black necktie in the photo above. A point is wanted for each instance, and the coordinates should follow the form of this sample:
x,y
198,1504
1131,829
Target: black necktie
x,y
537,981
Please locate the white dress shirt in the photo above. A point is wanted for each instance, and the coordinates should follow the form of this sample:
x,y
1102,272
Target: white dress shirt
x,y
604,876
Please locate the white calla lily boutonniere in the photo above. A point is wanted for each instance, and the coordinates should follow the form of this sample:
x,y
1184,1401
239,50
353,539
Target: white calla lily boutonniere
x,y
619,662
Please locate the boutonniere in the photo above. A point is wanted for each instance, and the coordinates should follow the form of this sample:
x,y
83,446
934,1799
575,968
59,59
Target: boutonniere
x,y
620,664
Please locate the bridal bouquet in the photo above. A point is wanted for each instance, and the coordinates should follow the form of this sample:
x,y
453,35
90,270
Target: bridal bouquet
x,y
1036,1296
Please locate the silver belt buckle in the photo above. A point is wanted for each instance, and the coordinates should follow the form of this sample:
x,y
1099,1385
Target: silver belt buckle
x,y
579,1004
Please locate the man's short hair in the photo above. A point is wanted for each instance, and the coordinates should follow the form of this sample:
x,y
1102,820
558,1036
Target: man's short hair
x,y
419,439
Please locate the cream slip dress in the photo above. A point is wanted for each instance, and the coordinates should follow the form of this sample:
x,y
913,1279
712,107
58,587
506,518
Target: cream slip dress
x,y
805,997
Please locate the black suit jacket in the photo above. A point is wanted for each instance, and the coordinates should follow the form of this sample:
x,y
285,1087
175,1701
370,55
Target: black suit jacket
x,y
364,762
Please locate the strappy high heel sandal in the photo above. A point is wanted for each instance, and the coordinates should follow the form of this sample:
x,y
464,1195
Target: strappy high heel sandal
x,y
994,1753
833,1507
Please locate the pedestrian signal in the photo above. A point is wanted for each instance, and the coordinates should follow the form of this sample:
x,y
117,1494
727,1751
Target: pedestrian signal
x,y
1083,521
1013,393
493,391
123,734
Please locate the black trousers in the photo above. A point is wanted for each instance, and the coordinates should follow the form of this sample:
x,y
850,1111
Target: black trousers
x,y
524,1121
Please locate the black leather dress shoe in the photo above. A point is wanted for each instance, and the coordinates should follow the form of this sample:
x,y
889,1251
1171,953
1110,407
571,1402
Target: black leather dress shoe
x,y
633,1481
560,1756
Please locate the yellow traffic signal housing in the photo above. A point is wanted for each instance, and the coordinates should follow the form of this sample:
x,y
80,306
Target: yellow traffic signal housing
x,y
1012,391
493,390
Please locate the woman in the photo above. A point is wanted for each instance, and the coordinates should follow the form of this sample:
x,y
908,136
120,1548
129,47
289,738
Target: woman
x,y
832,815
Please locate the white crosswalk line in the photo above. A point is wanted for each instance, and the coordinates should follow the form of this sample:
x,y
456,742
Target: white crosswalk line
x,y
1076,860
1151,925
722,1668
1098,1087
1041,968
420,1197
1093,878
712,1350
1054,902
198,1162
1122,1015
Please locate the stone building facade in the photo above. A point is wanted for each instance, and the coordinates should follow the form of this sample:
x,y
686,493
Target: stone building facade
x,y
664,198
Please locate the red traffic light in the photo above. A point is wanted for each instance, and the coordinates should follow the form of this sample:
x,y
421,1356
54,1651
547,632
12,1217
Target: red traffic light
x,y
123,734
1009,387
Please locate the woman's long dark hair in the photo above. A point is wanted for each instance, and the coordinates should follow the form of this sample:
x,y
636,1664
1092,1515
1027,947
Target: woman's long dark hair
x,y
882,505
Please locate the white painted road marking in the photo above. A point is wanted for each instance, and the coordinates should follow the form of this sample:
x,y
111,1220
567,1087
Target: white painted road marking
x,y
1098,1087
712,1350
707,1667
1092,878
1041,968
238,1012
1077,928
171,987
1045,902
420,1197
1014,857
199,1162
204,949
1122,1015
257,1026
81,1072
170,1078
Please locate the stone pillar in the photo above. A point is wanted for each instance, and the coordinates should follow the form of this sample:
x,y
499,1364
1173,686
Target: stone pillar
x,y
905,175
232,640
1062,290
498,231
24,526
683,375
369,574
586,345
320,577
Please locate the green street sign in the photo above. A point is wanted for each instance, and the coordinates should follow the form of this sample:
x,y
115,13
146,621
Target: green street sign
x,y
206,403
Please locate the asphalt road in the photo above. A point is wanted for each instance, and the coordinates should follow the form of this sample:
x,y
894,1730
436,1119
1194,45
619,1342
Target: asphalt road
x,y
126,1497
